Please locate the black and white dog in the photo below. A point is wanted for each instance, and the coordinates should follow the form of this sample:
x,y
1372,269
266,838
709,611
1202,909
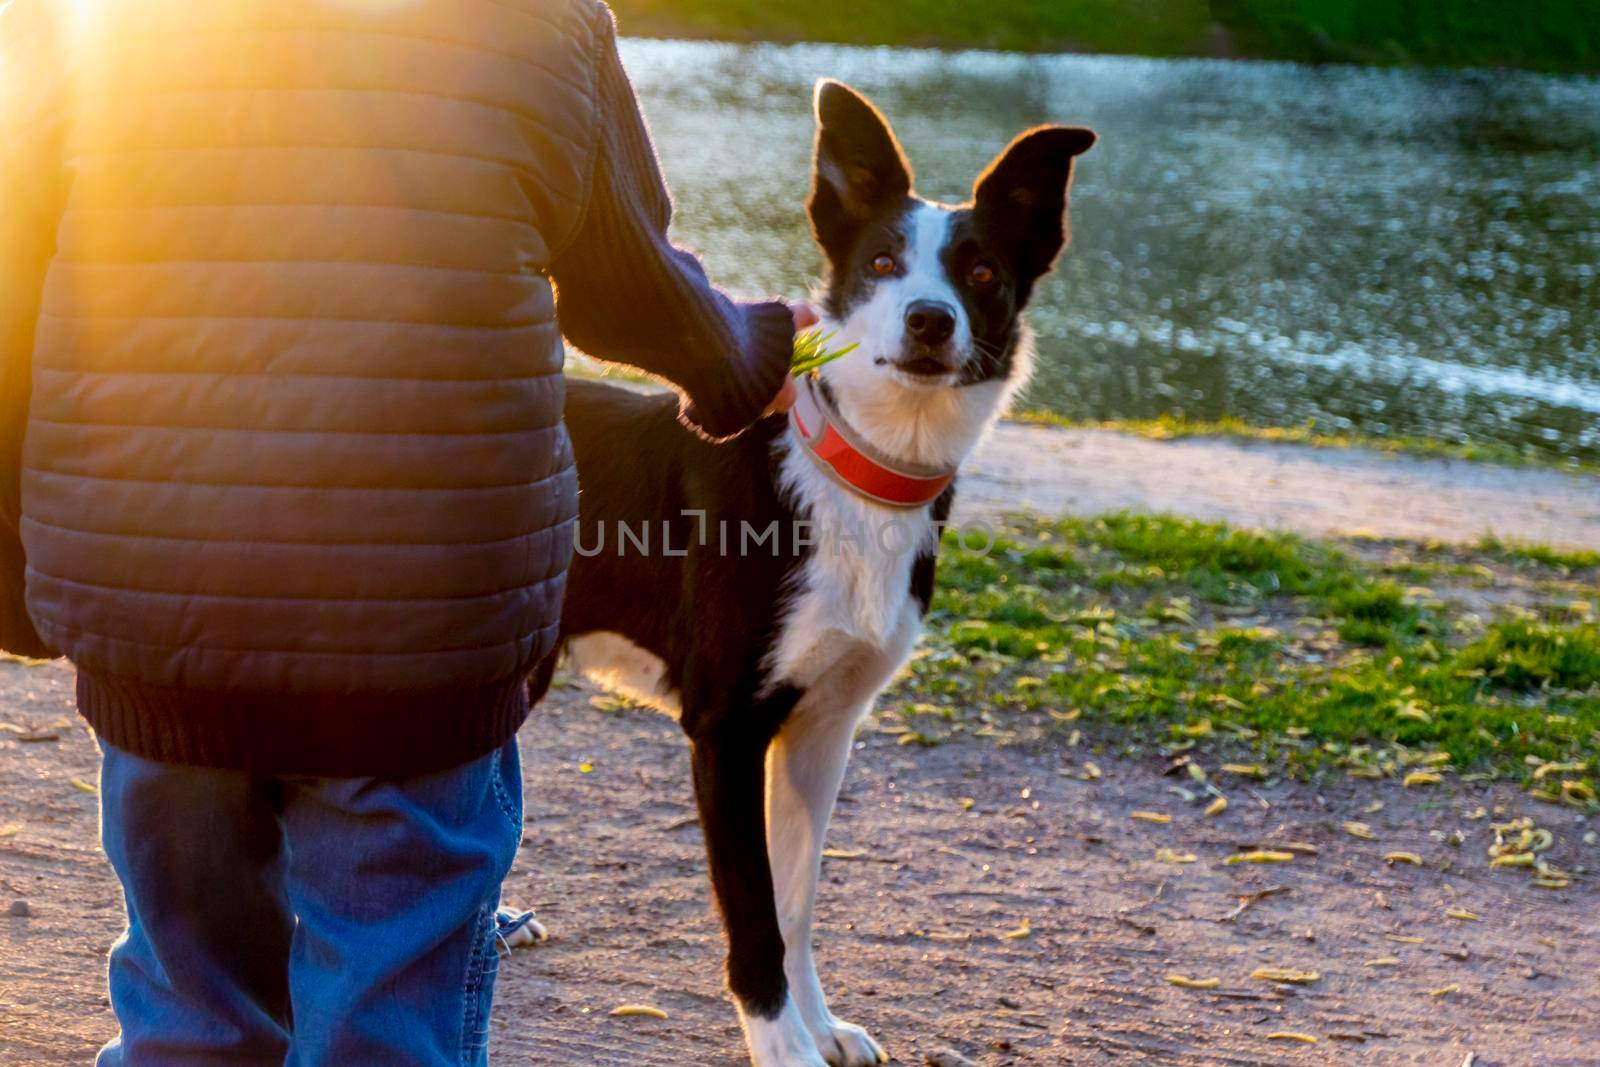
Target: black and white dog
x,y
764,590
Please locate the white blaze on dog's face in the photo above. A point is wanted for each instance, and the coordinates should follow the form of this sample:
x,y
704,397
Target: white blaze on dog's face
x,y
932,293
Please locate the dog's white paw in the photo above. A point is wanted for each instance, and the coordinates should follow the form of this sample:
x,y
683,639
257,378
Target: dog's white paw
x,y
783,1041
848,1045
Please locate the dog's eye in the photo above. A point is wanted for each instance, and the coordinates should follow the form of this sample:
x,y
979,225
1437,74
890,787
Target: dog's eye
x,y
982,274
883,263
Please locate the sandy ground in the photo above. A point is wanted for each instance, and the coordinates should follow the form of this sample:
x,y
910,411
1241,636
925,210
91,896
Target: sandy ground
x,y
1314,491
913,918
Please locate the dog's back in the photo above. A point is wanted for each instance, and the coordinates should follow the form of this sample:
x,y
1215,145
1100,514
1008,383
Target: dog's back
x,y
663,531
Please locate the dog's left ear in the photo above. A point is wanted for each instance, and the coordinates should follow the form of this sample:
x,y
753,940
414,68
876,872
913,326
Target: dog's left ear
x,y
859,169
1023,194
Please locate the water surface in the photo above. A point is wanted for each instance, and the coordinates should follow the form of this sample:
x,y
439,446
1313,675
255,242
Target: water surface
x,y
1379,251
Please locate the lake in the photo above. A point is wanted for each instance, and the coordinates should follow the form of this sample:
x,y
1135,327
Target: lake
x,y
1374,251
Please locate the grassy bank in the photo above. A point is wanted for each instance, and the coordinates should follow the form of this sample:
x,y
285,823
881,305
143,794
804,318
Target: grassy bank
x,y
1169,428
1143,634
1559,35
1160,27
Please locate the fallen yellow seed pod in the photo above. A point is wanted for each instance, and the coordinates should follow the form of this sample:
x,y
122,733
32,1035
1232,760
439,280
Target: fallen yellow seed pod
x,y
1280,974
1359,829
1462,914
1260,855
1217,806
1405,939
638,1009
1167,855
1403,857
82,786
1421,778
1547,769
1444,991
1020,933
1515,859
1150,816
1248,770
1383,961
1193,983
1292,1035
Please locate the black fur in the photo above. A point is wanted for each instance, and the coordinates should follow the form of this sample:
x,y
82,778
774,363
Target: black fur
x,y
860,172
924,569
860,194
1019,204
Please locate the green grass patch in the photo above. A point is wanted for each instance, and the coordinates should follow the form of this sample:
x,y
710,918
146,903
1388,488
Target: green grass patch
x,y
1150,27
1377,614
1156,632
1530,655
1521,552
1559,35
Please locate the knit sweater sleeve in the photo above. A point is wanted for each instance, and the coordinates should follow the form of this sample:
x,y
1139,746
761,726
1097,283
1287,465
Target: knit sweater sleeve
x,y
32,111
625,293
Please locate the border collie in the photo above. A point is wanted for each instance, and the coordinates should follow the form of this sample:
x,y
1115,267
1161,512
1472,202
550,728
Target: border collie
x,y
791,567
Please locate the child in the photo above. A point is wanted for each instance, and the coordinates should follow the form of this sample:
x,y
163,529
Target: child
x,y
288,278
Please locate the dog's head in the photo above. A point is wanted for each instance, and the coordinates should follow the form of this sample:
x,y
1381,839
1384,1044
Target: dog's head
x,y
932,293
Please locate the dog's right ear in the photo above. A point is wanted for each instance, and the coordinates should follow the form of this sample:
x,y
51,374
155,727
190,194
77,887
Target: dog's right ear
x,y
859,168
1022,197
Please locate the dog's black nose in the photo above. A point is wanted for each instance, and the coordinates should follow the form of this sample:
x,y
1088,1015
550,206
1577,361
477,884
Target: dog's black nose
x,y
930,323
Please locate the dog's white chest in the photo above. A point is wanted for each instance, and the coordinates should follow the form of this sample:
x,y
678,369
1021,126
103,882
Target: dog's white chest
x,y
853,592
848,619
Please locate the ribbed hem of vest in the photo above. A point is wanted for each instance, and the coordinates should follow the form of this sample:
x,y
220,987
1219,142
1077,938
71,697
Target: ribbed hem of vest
x,y
391,735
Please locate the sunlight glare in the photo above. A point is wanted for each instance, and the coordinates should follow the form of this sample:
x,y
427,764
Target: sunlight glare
x,y
374,7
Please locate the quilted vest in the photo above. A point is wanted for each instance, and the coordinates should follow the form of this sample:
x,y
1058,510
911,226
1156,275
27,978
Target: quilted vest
x,y
296,420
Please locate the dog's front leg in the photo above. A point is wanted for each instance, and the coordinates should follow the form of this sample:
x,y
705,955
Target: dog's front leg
x,y
805,769
729,759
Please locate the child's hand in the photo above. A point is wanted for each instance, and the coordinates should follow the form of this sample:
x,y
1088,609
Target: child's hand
x,y
805,317
783,401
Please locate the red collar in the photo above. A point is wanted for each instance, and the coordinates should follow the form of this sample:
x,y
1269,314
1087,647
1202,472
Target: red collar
x,y
851,462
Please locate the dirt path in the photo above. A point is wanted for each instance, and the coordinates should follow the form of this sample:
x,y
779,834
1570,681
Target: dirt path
x,y
912,924
1314,491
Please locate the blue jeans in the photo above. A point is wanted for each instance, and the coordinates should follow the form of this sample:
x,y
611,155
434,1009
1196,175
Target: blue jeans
x,y
307,922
